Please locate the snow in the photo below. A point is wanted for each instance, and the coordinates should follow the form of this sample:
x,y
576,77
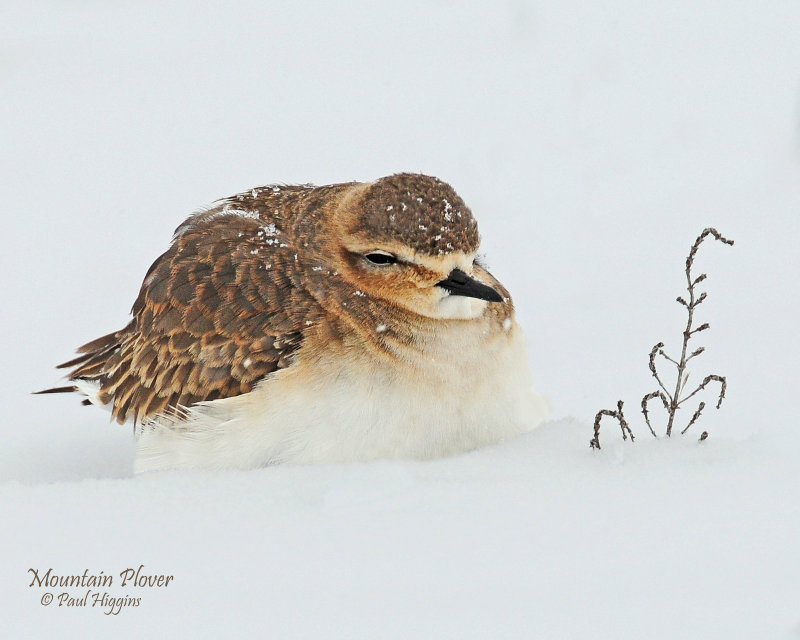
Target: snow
x,y
269,230
593,142
228,210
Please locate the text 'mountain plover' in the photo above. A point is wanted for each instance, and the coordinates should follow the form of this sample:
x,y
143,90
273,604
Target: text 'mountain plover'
x,y
316,324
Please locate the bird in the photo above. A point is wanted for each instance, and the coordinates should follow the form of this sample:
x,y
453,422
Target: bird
x,y
309,324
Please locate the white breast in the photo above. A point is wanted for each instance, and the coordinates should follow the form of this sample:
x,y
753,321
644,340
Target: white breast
x,y
465,391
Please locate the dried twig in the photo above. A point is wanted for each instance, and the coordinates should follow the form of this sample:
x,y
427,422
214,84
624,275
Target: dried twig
x,y
646,399
594,443
672,401
694,301
723,386
696,415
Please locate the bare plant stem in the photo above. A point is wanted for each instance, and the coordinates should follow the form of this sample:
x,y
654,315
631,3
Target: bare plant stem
x,y
687,333
673,401
594,443
696,415
646,400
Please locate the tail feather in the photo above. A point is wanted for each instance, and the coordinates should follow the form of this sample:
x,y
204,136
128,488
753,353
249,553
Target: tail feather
x,y
74,362
57,390
100,344
88,371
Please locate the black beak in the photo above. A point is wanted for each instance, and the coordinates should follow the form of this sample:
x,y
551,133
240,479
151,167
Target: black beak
x,y
459,283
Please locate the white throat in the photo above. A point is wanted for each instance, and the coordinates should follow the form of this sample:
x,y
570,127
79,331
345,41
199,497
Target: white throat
x,y
452,307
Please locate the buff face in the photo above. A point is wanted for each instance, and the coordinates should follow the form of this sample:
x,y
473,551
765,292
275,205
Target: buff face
x,y
398,275
399,237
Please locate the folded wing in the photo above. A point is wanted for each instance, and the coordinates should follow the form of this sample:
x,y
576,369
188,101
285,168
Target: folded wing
x,y
217,312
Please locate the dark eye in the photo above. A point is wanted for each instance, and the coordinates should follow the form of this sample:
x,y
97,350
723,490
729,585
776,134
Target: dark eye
x,y
381,258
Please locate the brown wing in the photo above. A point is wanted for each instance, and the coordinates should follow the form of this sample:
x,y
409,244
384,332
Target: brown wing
x,y
216,313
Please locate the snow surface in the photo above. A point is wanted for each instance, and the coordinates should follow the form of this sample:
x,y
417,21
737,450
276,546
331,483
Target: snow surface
x,y
592,140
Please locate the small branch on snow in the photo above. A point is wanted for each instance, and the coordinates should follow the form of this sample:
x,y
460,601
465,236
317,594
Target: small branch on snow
x,y
673,401
594,443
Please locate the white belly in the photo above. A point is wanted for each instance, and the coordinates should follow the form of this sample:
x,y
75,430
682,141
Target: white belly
x,y
465,393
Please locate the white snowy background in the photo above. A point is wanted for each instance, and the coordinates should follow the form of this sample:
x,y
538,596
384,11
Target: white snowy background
x,y
592,140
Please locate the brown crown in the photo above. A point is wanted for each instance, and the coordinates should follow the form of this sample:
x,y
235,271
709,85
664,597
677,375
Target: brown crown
x,y
419,211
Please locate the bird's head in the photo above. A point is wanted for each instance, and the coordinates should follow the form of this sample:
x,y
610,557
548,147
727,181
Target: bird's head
x,y
410,240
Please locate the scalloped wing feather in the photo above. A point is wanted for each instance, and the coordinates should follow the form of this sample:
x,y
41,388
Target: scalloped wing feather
x,y
217,312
